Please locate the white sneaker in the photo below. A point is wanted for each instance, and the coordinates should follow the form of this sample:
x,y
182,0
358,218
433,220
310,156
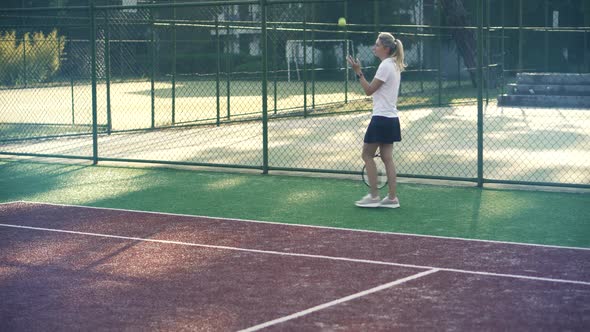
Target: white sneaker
x,y
389,203
368,201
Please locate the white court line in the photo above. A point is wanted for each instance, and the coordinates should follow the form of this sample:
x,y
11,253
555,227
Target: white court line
x,y
6,203
312,226
271,252
338,301
210,246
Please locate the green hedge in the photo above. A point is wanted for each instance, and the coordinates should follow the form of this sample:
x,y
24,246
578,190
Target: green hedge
x,y
33,58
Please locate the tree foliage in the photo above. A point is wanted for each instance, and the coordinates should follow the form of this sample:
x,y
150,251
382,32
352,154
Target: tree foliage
x,y
35,57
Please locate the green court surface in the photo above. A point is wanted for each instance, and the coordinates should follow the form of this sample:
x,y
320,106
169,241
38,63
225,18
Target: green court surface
x,y
527,216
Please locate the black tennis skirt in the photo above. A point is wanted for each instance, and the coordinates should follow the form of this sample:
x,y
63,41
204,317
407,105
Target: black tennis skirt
x,y
383,130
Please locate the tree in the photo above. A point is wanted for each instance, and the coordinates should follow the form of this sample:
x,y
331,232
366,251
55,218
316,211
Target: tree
x,y
456,15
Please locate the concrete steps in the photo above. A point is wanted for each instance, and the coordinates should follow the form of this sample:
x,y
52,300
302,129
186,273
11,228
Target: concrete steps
x,y
545,101
553,78
548,90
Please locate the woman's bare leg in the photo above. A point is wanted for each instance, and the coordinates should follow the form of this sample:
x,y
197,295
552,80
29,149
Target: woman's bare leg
x,y
387,157
368,156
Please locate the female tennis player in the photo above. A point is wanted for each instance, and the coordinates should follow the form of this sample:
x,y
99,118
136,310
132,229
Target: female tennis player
x,y
384,128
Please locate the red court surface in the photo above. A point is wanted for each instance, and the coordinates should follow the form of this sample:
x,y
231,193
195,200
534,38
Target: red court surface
x,y
79,268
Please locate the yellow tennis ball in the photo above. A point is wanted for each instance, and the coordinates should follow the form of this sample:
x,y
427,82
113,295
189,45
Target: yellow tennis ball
x,y
342,21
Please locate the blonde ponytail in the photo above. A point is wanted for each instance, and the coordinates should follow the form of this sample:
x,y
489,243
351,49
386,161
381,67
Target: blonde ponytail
x,y
398,55
396,49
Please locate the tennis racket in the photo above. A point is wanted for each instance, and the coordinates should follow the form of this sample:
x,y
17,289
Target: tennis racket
x,y
381,173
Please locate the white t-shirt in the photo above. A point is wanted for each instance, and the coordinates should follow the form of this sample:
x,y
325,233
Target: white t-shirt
x,y
385,98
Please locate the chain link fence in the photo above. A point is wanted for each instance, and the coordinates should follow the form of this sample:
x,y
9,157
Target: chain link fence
x,y
265,85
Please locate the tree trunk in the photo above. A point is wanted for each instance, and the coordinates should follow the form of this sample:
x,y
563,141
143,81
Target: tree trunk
x,y
457,16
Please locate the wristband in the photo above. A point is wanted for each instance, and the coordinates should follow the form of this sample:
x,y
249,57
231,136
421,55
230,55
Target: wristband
x,y
359,75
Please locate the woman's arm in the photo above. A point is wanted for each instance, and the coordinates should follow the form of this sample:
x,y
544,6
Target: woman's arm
x,y
369,88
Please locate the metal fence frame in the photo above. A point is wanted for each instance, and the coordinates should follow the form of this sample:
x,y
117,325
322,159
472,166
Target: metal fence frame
x,y
94,11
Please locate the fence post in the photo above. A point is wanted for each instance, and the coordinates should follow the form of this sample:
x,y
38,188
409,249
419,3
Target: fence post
x,y
264,36
520,36
420,42
546,56
503,47
217,73
93,78
227,66
439,51
107,57
304,61
25,58
586,53
275,66
153,67
376,15
313,57
72,93
174,62
458,68
479,73
488,54
346,53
